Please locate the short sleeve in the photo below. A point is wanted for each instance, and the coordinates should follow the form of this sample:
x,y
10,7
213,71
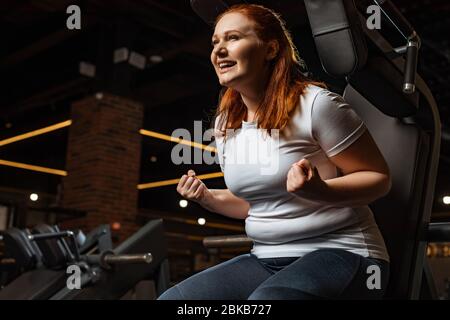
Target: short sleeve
x,y
218,138
334,124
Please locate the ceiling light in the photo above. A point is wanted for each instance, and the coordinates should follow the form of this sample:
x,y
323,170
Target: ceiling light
x,y
155,58
183,203
446,200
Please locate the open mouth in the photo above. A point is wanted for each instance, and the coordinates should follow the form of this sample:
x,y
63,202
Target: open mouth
x,y
226,65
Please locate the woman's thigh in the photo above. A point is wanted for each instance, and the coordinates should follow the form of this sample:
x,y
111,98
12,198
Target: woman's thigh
x,y
325,274
234,279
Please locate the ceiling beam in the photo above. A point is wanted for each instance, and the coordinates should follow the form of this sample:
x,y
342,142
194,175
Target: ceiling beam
x,y
43,44
173,89
48,96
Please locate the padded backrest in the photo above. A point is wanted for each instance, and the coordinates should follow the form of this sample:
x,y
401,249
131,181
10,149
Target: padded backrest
x,y
337,33
405,146
374,91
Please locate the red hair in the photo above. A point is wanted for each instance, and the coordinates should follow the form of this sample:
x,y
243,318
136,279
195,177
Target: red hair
x,y
286,81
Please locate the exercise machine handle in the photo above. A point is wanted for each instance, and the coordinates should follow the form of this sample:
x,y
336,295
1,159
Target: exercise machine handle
x,y
108,259
412,43
412,51
111,259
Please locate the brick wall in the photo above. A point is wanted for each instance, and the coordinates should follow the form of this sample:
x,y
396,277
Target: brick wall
x,y
103,162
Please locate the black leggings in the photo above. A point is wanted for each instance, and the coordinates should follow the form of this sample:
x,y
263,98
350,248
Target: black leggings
x,y
321,274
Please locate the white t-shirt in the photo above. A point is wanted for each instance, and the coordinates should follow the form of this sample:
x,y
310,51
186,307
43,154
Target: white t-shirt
x,y
255,167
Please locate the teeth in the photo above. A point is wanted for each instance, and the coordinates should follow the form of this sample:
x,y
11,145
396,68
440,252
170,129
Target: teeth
x,y
226,64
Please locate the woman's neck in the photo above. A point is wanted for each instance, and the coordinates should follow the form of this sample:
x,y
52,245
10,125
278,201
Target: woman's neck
x,y
252,106
252,100
253,95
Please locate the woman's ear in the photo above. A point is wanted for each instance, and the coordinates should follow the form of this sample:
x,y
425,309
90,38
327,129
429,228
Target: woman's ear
x,y
272,49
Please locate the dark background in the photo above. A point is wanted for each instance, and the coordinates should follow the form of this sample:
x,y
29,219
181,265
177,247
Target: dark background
x,y
40,79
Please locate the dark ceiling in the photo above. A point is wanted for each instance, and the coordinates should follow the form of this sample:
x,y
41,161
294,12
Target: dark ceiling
x,y
39,67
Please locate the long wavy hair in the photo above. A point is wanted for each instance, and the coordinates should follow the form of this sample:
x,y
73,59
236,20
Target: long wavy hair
x,y
286,81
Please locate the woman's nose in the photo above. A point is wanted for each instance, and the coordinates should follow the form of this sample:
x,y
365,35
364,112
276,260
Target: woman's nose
x,y
220,50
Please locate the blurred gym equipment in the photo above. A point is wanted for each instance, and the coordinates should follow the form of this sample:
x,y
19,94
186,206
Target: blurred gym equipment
x,y
40,261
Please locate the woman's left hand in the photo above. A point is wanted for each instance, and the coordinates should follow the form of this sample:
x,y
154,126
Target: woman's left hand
x,y
304,177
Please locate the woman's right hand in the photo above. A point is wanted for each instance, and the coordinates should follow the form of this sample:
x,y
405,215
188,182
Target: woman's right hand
x,y
220,201
192,188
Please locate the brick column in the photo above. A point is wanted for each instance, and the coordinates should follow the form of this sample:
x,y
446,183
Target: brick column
x,y
103,162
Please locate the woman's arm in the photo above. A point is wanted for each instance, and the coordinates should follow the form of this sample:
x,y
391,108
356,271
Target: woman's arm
x,y
357,189
366,174
216,200
224,202
365,177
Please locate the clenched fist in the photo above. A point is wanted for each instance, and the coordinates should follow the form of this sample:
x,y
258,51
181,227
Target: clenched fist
x,y
192,188
304,177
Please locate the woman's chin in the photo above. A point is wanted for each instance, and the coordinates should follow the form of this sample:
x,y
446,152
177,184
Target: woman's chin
x,y
229,83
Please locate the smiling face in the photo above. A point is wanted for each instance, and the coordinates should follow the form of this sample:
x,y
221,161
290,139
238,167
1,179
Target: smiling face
x,y
239,57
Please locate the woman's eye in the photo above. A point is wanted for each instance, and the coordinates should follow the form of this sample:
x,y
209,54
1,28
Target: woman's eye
x,y
235,37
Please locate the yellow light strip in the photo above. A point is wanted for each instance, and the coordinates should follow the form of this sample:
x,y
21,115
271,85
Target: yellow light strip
x,y
175,181
166,137
32,167
36,132
141,131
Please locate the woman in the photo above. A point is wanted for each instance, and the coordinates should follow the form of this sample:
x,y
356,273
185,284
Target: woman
x,y
314,234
